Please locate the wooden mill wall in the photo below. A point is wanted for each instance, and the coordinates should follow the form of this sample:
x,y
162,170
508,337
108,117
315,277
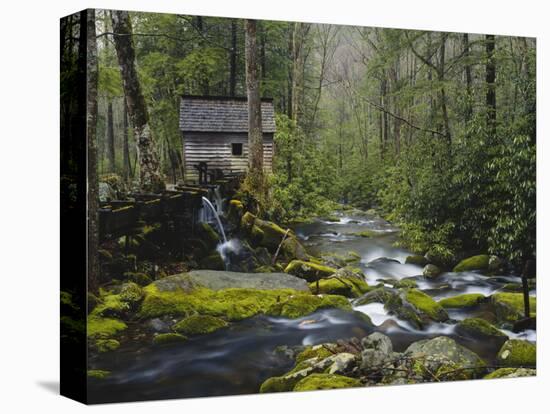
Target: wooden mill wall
x,y
215,149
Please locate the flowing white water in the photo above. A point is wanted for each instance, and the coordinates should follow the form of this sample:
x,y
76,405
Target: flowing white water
x,y
216,216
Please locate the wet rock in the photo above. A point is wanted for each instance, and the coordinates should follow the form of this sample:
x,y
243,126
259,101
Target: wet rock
x,y
158,325
474,263
443,359
431,271
131,293
343,282
168,339
384,260
378,295
302,305
106,345
518,353
416,259
511,373
480,329
98,374
342,364
199,325
377,351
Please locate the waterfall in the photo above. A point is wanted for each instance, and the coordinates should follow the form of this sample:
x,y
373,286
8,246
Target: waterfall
x,y
216,216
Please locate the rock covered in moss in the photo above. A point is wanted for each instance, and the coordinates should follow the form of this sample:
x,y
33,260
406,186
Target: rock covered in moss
x,y
99,327
235,212
326,382
297,306
416,259
511,373
343,363
316,351
466,300
509,307
208,235
518,353
478,327
308,270
474,263
130,292
443,359
378,295
431,271
168,338
98,374
107,345
199,324
426,305
351,287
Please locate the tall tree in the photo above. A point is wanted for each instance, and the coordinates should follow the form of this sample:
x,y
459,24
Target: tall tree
x,y
88,37
255,138
151,179
126,168
233,58
110,136
490,77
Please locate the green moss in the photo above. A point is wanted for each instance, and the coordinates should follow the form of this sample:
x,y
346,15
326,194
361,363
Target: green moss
x,y
140,278
111,305
348,287
404,283
366,233
308,270
416,259
130,292
353,257
462,301
275,384
208,235
199,325
332,219
511,373
247,221
107,345
302,305
518,353
478,326
426,304
99,327
168,338
98,373
479,262
326,382
256,235
509,307
317,351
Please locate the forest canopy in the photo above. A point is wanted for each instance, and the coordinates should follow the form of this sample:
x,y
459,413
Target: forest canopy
x,y
436,130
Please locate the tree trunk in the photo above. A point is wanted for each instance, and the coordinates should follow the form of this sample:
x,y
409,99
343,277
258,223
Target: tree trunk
x,y
233,59
490,76
91,139
255,138
150,174
110,137
125,145
298,59
467,75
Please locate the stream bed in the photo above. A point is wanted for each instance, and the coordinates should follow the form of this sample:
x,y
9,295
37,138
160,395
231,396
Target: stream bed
x,y
236,360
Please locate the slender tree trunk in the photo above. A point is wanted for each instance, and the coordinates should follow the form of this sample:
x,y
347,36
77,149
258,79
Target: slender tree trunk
x,y
298,58
233,59
110,136
290,81
467,75
125,144
442,93
88,35
150,174
490,76
255,137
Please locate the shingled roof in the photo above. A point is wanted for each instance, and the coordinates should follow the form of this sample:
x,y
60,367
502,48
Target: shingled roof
x,y
221,114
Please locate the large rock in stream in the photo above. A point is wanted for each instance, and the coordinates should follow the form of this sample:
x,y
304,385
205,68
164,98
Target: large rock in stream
x,y
220,279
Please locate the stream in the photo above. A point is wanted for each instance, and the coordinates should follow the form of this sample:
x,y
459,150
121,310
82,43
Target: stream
x,y
236,360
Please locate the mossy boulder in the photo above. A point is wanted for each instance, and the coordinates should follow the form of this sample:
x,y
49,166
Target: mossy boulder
x,y
111,305
509,307
511,373
99,327
426,305
466,300
474,263
431,271
326,382
442,359
168,338
107,345
208,235
131,293
98,374
308,270
350,287
199,325
316,351
301,305
479,328
378,295
416,259
518,353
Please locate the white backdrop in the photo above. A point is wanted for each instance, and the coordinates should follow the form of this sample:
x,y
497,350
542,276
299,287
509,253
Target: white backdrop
x,y
29,235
